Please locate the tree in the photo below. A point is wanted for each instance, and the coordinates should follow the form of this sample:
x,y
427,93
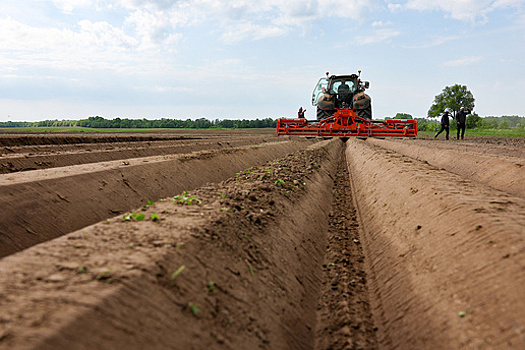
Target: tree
x,y
453,97
503,125
473,121
403,116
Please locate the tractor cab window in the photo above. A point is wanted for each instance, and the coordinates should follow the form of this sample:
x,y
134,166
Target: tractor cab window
x,y
342,86
319,90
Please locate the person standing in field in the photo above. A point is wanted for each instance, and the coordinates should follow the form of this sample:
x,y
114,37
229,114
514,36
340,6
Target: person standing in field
x,y
445,123
461,118
300,114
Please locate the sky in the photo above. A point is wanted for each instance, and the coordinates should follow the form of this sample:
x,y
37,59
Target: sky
x,y
240,59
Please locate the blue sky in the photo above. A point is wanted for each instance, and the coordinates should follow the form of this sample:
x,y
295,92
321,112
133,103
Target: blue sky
x,y
236,59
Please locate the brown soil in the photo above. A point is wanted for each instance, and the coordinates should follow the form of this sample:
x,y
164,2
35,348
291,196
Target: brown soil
x,y
278,244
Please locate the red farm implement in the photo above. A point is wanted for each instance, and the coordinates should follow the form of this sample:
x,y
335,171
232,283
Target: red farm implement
x,y
346,123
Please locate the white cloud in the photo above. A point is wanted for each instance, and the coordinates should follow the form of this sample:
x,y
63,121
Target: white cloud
x,y
238,19
395,7
465,61
464,10
381,24
379,35
67,6
15,35
251,31
93,44
433,42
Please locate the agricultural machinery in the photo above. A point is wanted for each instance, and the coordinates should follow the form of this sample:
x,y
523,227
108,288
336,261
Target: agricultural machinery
x,y
344,109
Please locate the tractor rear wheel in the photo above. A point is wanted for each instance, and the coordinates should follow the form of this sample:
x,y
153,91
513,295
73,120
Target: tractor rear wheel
x,y
324,113
365,112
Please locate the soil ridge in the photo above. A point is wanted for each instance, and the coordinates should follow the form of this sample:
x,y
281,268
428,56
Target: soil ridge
x,y
445,259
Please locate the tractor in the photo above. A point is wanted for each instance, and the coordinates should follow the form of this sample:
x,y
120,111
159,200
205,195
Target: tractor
x,y
344,109
341,92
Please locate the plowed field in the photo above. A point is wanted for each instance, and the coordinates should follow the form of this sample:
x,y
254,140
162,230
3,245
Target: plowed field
x,y
242,240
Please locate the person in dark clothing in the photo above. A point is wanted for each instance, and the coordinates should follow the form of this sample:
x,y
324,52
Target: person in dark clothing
x,y
300,114
444,123
461,118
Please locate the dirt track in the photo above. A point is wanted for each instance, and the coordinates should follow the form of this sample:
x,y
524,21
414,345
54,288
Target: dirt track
x,y
303,244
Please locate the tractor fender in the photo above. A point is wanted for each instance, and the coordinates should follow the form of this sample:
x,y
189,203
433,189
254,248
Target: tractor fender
x,y
361,100
326,102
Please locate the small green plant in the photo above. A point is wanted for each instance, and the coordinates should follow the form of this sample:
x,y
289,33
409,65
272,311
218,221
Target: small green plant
x,y
462,314
178,272
279,182
194,309
478,227
211,286
147,205
104,275
185,199
81,269
133,216
155,217
250,268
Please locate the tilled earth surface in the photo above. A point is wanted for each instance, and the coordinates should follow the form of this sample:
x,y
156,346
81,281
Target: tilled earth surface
x,y
254,241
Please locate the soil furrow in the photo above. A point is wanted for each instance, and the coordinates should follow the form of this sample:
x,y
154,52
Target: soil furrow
x,y
58,201
38,158
344,316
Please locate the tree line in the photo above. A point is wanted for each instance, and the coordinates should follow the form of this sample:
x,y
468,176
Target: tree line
x,y
102,123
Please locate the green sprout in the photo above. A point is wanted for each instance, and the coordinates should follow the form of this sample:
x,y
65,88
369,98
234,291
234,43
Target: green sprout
x,y
104,275
185,199
250,268
279,182
194,308
155,217
178,272
131,216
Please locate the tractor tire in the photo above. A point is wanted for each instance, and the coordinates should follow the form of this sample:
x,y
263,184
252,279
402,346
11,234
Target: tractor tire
x,y
324,113
365,112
